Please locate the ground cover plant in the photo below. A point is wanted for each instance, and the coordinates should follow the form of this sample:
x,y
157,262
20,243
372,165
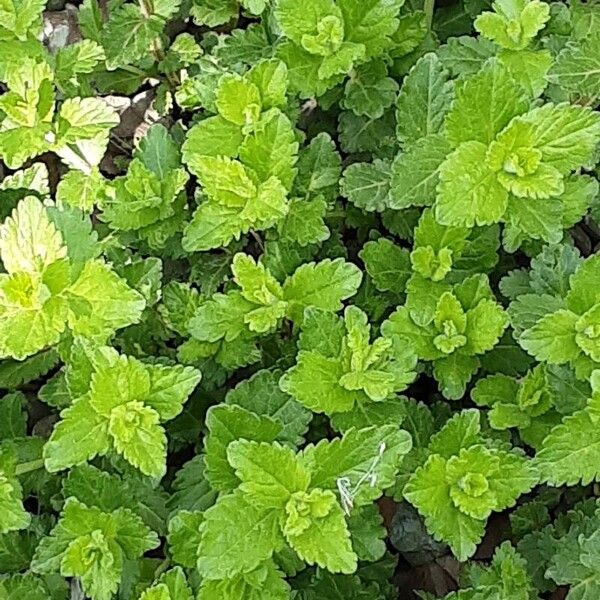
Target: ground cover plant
x,y
299,300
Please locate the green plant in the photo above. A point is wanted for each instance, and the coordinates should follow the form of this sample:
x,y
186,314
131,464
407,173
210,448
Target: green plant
x,y
289,289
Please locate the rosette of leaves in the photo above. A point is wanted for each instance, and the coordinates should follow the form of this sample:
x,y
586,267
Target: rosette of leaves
x,y
77,132
54,282
514,23
450,327
526,404
524,161
564,552
149,200
465,478
229,323
120,406
93,546
287,499
324,39
509,163
507,576
441,252
244,158
563,328
340,370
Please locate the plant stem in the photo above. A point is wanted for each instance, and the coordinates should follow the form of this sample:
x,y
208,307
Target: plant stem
x,y
27,467
428,7
147,8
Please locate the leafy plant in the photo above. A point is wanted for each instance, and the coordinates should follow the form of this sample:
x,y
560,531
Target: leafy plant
x,y
297,298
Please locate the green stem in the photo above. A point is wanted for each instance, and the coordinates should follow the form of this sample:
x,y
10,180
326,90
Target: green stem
x,y
27,467
133,70
164,565
147,8
428,7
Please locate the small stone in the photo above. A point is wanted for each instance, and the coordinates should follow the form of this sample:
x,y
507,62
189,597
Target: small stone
x,y
60,28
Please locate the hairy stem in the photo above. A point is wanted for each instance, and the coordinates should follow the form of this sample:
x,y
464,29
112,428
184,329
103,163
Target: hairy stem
x,y
428,7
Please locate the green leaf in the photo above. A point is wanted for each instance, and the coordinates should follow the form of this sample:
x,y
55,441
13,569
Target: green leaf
x,y
171,585
367,533
387,264
271,149
92,545
465,55
13,419
453,373
529,68
552,338
204,138
498,99
369,91
315,382
323,285
319,166
459,432
80,435
100,302
29,107
74,60
14,515
415,173
469,192
227,423
424,100
456,495
513,24
158,151
190,489
304,223
213,12
265,579
184,537
238,535
137,435
577,68
262,395
82,128
21,17
373,450
428,492
565,135
81,190
270,473
371,24
326,540
43,245
367,185
568,453
128,34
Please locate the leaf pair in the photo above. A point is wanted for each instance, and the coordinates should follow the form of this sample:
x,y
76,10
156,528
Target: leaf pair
x,y
78,133
54,282
339,369
287,498
121,407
